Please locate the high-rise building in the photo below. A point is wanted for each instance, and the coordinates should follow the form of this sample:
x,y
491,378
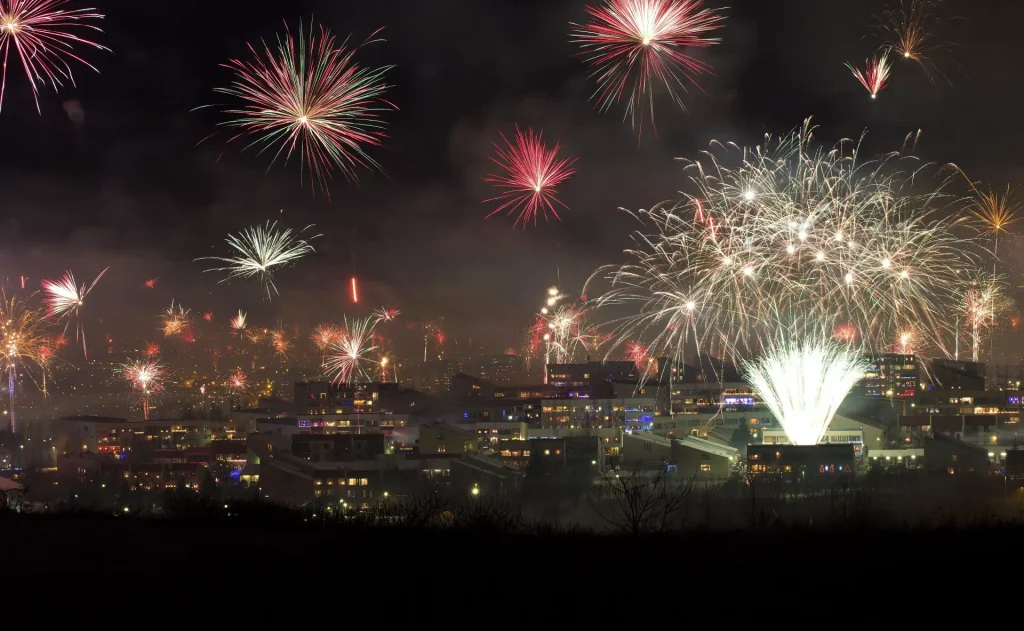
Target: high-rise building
x,y
890,375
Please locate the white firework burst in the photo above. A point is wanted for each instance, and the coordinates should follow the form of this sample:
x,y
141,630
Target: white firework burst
x,y
259,251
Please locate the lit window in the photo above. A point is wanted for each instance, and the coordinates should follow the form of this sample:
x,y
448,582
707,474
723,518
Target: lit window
x,y
705,468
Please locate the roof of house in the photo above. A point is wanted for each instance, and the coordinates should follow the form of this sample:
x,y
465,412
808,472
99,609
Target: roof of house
x,y
7,484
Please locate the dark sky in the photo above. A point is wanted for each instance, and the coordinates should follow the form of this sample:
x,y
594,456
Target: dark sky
x,y
131,188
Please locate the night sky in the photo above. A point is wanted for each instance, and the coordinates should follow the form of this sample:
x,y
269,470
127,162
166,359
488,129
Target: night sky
x,y
129,184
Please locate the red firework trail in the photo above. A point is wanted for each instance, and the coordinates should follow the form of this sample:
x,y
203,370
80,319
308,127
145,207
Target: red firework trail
x,y
312,99
41,34
875,75
632,44
532,172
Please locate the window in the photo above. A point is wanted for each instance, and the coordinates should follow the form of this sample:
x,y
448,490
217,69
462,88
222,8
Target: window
x,y
363,481
705,468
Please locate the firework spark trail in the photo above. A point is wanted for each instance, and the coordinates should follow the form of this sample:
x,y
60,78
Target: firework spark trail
x,y
313,99
42,36
66,299
43,357
259,250
152,350
875,75
912,30
805,240
632,45
146,378
349,357
531,175
816,376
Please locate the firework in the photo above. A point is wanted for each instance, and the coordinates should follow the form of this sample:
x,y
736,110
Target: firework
x,y
151,283
208,316
238,324
260,250
983,302
906,342
174,320
565,329
355,290
912,31
803,384
632,45
994,214
146,378
790,243
66,299
43,37
386,315
351,355
875,75
431,328
323,336
846,333
310,98
43,357
638,354
280,342
21,340
152,350
238,382
531,174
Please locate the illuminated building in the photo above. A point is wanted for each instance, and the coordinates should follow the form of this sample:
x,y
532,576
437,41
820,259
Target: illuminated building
x,y
889,375
441,438
118,437
690,456
633,414
585,377
349,473
864,435
801,461
1015,464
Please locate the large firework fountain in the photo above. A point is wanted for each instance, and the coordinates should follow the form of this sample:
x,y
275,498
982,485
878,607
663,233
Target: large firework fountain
x,y
776,247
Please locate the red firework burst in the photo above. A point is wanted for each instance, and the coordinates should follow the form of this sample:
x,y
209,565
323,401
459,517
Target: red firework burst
x,y
632,44
845,332
638,354
238,381
152,350
532,172
875,75
151,283
40,32
310,97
